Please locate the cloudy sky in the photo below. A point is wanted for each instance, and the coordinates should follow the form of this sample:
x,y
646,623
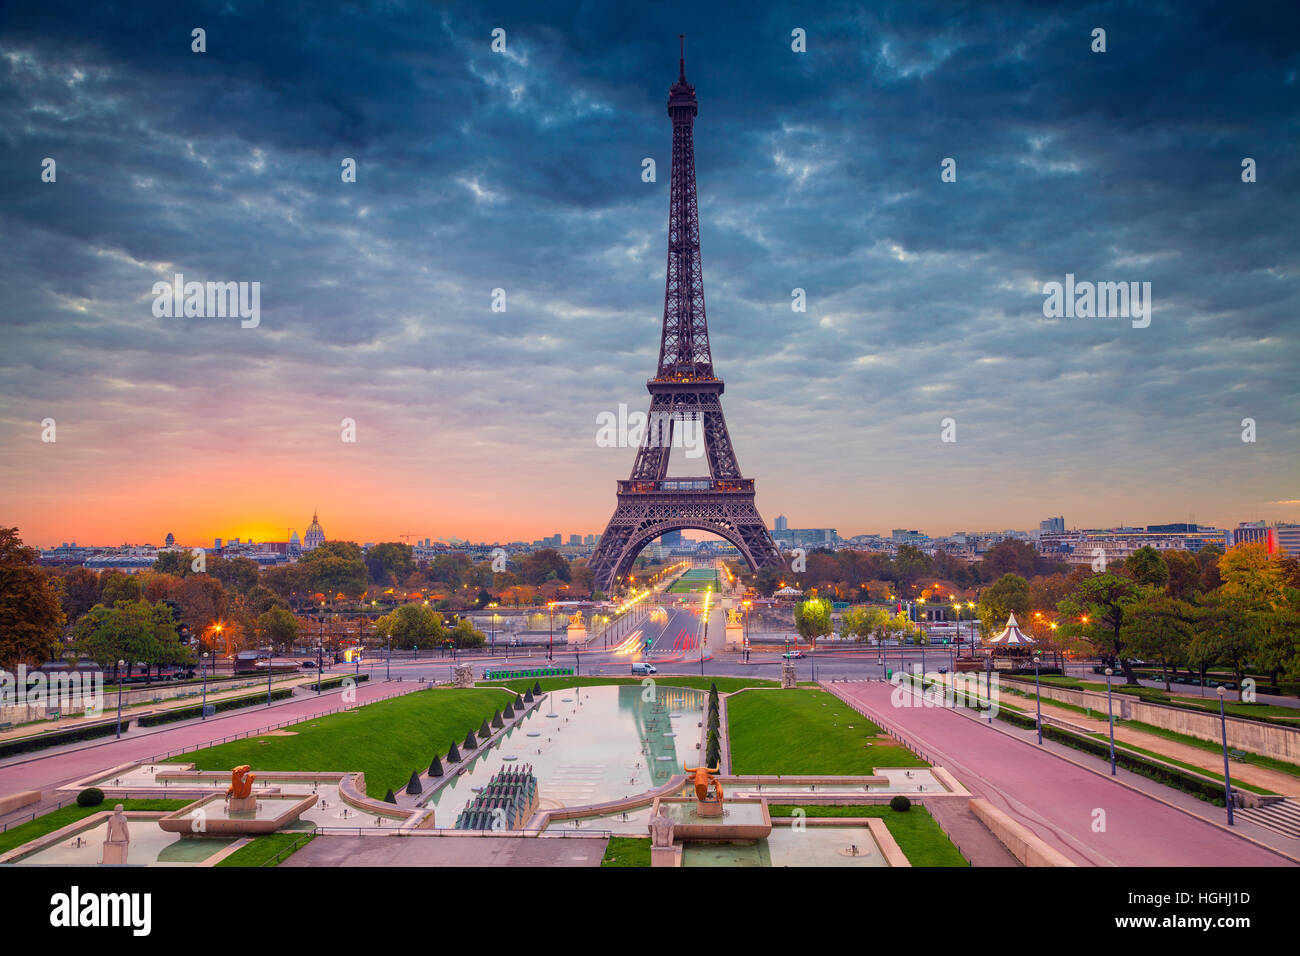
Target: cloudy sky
x,y
521,170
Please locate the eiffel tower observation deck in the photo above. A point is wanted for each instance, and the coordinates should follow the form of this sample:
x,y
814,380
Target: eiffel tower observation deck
x,y
685,402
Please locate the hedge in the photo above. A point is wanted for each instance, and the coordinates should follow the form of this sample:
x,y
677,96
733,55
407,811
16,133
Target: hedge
x,y
22,745
330,683
230,703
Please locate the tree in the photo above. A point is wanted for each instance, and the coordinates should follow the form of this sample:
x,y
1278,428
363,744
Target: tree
x,y
1160,628
1257,587
236,574
1184,574
177,563
1208,559
465,634
278,628
1095,612
81,591
331,575
119,586
812,619
861,623
545,565
31,607
389,562
131,631
1007,595
412,625
1146,566
1223,637
261,599
203,601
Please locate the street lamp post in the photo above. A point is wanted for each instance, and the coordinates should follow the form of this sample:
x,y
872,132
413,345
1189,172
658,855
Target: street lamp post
x,y
120,665
1111,712
203,667
270,657
988,685
320,662
1227,774
550,640
388,663
1038,701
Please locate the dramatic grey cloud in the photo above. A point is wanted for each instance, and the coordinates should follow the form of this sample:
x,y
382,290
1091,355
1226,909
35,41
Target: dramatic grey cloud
x,y
521,171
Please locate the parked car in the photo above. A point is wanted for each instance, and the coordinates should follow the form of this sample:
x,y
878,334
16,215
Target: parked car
x,y
792,655
308,663
641,667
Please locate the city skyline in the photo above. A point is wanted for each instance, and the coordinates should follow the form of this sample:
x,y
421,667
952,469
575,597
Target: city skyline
x,y
818,171
268,534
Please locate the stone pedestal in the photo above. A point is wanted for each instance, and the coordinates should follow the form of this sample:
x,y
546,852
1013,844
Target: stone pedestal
x,y
463,675
115,853
246,804
735,635
577,633
708,808
788,675
666,855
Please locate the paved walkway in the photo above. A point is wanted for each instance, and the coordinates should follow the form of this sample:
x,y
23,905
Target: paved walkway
x,y
969,834
1056,799
448,851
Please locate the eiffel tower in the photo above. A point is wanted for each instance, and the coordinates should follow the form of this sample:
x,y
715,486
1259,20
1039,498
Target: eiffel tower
x,y
685,393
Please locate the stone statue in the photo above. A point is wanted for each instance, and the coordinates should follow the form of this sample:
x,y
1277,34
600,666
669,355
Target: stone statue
x,y
118,840
661,829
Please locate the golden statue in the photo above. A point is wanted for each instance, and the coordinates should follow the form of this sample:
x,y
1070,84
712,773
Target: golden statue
x,y
241,783
576,620
733,618
703,777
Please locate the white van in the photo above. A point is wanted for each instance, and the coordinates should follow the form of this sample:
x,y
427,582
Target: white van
x,y
641,667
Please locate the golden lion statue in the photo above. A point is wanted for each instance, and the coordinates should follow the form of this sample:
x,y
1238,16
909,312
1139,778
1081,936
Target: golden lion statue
x,y
241,783
703,777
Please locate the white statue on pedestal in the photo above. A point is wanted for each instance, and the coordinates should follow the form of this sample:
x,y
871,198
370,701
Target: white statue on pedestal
x,y
118,840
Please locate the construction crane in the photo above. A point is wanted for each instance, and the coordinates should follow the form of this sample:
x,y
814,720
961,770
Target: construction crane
x,y
412,534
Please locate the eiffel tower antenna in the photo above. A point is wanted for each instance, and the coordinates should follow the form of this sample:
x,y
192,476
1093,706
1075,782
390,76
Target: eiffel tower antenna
x,y
685,401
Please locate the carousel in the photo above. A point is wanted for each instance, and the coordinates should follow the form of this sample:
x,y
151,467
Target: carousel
x,y
1012,641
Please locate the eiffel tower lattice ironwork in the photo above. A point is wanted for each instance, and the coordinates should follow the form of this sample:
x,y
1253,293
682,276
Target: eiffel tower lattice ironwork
x,y
685,403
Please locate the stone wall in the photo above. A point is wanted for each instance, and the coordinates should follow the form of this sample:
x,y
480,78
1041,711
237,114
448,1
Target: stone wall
x,y
1267,740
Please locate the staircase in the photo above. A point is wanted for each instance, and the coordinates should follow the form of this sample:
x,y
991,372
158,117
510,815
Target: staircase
x,y
1281,817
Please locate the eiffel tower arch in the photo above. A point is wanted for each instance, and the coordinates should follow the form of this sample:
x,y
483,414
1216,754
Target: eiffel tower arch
x,y
685,402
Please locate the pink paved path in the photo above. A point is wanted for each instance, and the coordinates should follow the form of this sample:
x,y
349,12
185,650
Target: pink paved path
x,y
1055,798
56,769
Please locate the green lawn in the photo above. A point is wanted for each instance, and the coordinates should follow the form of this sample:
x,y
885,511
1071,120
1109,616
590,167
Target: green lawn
x,y
725,684
385,740
801,732
915,831
627,851
25,832
261,850
695,580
